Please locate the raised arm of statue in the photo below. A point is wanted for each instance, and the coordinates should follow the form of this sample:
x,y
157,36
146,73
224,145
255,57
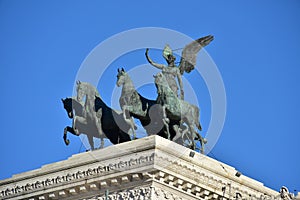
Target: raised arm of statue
x,y
180,84
159,66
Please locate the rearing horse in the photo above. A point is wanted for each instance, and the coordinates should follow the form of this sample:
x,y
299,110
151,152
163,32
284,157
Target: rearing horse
x,y
90,118
147,111
130,101
177,109
106,120
71,105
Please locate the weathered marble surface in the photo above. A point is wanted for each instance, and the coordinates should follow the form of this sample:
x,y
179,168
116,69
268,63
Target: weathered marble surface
x,y
147,168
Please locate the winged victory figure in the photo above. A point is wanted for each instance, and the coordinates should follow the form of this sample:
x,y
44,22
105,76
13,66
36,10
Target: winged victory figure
x,y
187,62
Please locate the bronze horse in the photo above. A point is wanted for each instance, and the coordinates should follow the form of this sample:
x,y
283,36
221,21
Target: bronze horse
x,y
177,109
112,124
148,112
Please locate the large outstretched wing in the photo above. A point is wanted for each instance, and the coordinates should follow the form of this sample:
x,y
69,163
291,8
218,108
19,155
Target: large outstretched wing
x,y
190,51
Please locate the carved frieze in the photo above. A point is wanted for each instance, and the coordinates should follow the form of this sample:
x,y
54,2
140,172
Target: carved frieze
x,y
78,175
140,193
145,175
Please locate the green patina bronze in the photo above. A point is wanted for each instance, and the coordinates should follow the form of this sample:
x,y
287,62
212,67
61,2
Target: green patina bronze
x,y
168,115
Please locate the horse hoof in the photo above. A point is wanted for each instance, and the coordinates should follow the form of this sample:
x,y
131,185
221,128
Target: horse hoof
x,y
200,127
67,142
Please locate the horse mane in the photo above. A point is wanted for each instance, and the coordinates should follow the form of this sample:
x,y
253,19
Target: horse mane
x,y
71,102
165,85
76,103
146,101
99,103
92,87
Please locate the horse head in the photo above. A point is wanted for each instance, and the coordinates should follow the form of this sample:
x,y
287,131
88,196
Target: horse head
x,y
121,77
81,90
71,104
67,102
85,89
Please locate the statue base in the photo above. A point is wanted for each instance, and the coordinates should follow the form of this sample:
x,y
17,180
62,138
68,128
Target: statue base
x,y
147,168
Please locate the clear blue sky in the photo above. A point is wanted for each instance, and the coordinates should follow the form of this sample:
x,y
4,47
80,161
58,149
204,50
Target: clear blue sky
x,y
256,48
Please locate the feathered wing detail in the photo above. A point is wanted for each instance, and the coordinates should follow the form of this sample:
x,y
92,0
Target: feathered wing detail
x,y
190,51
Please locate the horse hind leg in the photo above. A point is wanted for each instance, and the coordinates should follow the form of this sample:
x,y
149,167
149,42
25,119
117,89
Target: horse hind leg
x,y
101,134
144,112
196,116
199,126
102,143
133,128
91,141
193,144
202,142
166,122
178,133
191,127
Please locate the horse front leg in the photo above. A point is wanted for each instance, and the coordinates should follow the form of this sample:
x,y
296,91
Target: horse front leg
x,y
81,121
203,141
179,135
67,141
129,121
74,122
70,130
99,127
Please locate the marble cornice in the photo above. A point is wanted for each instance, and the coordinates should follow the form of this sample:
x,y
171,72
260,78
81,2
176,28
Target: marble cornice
x,y
149,166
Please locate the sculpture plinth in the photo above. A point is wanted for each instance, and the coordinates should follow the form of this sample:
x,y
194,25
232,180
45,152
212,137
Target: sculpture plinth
x,y
147,168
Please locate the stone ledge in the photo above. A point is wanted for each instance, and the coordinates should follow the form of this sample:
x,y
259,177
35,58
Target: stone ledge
x,y
147,161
